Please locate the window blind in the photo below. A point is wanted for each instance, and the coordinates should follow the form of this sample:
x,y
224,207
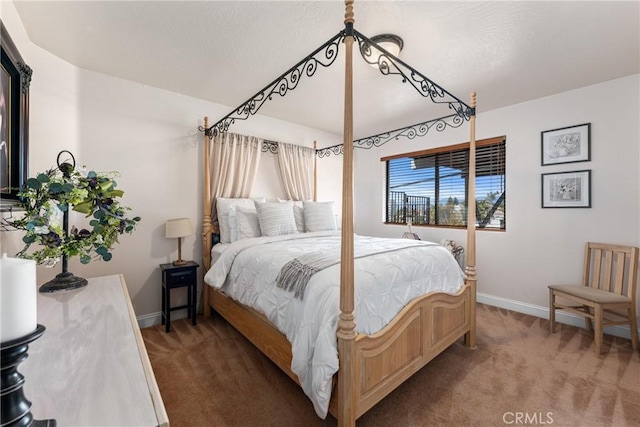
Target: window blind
x,y
431,187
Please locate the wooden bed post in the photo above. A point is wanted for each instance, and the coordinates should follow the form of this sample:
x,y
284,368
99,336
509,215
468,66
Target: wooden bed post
x,y
470,337
346,323
207,226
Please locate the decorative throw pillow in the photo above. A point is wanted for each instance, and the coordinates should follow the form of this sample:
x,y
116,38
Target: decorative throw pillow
x,y
223,205
247,223
298,213
276,219
319,216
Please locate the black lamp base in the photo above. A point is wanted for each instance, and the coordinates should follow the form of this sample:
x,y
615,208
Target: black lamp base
x,y
16,408
63,282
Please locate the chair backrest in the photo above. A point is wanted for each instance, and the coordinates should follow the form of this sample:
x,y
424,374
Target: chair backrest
x,y
612,268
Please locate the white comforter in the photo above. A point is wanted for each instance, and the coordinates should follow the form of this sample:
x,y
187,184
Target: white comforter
x,y
384,284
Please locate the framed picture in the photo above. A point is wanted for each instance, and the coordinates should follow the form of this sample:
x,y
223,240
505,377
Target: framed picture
x,y
566,189
15,77
566,145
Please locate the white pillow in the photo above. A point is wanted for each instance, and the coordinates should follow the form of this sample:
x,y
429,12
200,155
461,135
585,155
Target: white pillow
x,y
276,219
233,224
298,213
247,223
223,205
319,216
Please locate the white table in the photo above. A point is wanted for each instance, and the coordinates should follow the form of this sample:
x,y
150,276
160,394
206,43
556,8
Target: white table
x,y
90,368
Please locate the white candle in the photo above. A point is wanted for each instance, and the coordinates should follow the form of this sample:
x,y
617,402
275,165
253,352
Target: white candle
x,y
18,298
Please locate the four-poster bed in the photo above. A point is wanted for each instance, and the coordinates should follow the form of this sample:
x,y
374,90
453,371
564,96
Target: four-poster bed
x,y
371,366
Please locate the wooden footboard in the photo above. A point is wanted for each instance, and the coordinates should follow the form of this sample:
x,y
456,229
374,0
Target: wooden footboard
x,y
421,331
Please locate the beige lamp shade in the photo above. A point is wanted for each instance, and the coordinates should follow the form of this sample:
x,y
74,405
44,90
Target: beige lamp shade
x,y
177,229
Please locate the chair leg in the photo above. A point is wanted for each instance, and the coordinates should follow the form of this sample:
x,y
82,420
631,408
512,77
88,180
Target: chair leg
x,y
633,327
588,320
598,332
552,311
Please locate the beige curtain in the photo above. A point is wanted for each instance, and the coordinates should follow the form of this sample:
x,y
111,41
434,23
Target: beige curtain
x,y
296,170
234,165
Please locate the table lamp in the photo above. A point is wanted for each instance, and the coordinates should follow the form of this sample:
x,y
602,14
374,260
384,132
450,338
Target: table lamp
x,y
179,228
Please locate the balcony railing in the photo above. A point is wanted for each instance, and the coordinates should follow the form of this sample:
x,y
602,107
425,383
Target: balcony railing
x,y
403,207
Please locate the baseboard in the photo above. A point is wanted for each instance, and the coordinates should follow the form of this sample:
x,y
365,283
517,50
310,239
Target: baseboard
x,y
543,312
153,319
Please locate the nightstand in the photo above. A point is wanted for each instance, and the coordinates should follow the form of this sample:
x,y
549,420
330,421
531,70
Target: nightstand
x,y
177,276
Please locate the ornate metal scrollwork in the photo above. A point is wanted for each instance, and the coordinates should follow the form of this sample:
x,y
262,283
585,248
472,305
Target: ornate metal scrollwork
x,y
327,151
408,132
269,146
324,57
388,64
411,132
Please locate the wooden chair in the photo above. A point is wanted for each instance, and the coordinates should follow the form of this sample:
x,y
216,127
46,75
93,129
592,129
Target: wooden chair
x,y
607,295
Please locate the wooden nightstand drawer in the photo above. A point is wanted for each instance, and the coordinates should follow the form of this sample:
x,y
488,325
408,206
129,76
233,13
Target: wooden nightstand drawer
x,y
181,277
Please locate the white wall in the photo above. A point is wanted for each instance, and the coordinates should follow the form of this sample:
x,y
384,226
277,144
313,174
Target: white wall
x,y
148,135
540,246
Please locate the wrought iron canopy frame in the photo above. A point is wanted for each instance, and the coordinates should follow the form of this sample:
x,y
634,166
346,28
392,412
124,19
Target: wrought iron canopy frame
x,y
322,57
408,132
388,64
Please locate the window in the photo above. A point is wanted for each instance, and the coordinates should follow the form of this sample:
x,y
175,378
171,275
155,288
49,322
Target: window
x,y
430,187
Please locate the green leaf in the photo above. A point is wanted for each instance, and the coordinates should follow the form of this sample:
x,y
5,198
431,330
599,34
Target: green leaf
x,y
29,238
34,184
106,186
84,208
107,257
30,226
102,250
85,259
137,219
67,187
43,178
115,193
91,174
98,214
55,188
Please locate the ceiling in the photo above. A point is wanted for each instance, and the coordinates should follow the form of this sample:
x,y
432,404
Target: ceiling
x,y
226,51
